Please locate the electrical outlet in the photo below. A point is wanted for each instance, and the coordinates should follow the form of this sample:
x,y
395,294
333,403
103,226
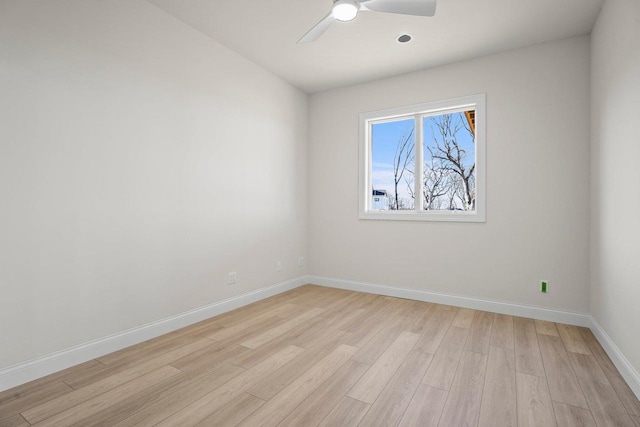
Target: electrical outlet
x,y
544,286
232,278
301,261
279,266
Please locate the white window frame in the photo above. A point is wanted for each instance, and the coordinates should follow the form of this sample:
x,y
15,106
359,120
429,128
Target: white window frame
x,y
366,120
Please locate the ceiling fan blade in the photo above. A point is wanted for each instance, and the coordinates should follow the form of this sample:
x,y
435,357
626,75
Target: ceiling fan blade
x,y
319,28
403,7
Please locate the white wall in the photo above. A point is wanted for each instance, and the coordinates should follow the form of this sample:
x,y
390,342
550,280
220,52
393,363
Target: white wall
x,y
140,161
615,224
537,184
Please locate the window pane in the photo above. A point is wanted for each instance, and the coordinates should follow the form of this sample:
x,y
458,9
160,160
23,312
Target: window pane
x,y
392,165
450,162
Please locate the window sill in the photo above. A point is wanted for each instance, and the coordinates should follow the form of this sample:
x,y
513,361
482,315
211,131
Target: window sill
x,y
425,216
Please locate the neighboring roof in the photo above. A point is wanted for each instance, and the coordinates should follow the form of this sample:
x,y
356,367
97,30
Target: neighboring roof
x,y
471,119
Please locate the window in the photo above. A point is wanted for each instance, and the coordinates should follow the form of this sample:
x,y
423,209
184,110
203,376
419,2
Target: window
x,y
424,162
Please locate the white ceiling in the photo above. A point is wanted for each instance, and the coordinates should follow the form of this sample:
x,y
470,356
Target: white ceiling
x,y
266,32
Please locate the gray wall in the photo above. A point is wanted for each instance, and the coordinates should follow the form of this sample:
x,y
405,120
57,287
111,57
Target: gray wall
x,y
537,184
140,161
615,145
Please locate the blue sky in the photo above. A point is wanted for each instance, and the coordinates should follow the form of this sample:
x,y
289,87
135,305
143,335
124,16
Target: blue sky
x,y
385,137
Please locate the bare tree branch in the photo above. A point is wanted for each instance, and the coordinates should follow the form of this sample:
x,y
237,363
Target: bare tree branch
x,y
403,157
447,150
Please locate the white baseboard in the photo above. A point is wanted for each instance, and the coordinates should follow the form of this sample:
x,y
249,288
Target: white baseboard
x,y
578,319
54,362
629,373
626,369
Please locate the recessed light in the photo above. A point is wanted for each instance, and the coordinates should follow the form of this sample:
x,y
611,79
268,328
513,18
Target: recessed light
x,y
404,38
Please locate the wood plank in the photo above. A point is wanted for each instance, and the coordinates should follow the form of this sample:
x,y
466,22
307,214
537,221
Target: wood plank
x,y
233,413
376,378
572,416
199,332
276,331
371,306
572,339
283,305
463,404
418,318
319,403
148,409
142,400
347,413
546,328
379,308
596,349
212,401
479,337
323,297
502,332
390,406
324,337
145,346
527,351
253,323
606,408
425,408
208,358
369,328
77,413
336,320
282,404
464,318
246,333
50,381
365,300
498,406
443,368
15,421
49,391
275,382
146,350
624,392
372,350
138,358
562,381
253,356
435,330
69,400
343,302
313,338
399,306
534,401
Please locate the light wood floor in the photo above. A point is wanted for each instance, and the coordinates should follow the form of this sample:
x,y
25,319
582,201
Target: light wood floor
x,y
319,356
